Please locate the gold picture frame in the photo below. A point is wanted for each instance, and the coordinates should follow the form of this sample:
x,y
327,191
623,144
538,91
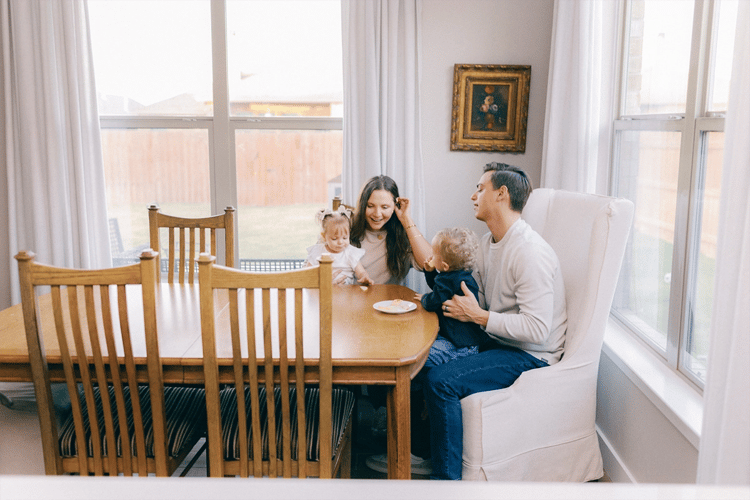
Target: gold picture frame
x,y
490,107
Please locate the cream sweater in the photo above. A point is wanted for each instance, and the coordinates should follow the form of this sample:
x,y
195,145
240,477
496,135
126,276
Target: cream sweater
x,y
520,283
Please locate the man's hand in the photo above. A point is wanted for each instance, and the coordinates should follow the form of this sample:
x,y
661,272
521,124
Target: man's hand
x,y
465,308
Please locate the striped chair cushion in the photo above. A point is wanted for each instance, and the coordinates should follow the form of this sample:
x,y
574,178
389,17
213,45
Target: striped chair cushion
x,y
186,414
343,404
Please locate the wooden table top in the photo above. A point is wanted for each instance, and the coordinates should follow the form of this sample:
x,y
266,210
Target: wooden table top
x,y
362,336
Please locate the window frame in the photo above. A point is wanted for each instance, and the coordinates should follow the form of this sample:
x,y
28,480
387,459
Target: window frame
x,y
221,126
693,126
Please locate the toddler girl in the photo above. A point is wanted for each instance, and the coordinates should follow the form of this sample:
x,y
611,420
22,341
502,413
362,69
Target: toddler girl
x,y
453,257
335,241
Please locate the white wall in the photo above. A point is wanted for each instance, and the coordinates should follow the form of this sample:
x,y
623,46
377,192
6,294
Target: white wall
x,y
476,32
642,444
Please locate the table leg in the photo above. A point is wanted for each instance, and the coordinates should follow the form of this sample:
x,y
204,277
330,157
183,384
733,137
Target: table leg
x,y
399,426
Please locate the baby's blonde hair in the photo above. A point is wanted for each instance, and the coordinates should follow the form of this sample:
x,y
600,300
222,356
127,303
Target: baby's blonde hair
x,y
458,247
335,220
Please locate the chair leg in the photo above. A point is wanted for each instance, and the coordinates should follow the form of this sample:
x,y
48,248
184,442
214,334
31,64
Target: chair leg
x,y
345,470
195,459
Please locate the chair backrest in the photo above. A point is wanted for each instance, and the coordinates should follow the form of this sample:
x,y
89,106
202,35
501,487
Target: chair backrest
x,y
92,323
589,234
336,203
188,246
263,307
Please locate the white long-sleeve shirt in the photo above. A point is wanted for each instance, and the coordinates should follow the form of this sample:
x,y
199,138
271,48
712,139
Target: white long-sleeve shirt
x,y
521,285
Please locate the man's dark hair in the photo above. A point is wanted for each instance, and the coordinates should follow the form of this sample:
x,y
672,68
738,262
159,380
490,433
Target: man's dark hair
x,y
513,178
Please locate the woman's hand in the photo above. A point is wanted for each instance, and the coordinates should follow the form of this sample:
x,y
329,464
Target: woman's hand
x,y
465,308
402,210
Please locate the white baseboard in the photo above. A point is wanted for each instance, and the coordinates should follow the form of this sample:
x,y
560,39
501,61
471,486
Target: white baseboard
x,y
614,467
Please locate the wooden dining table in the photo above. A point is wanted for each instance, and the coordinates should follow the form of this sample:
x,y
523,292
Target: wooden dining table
x,y
369,347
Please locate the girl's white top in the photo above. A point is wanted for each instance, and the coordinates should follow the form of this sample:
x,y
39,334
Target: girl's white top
x,y
344,261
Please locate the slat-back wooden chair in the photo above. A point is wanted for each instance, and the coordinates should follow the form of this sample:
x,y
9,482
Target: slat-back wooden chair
x,y
91,320
336,203
188,251
275,397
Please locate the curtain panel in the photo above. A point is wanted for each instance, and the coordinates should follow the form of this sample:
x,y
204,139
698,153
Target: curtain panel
x,y
582,79
51,141
381,93
724,455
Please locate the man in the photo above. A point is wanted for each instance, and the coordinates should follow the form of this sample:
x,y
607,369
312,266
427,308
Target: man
x,y
521,307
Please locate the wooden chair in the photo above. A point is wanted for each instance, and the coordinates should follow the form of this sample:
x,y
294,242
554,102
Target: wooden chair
x,y
277,395
336,203
92,319
188,252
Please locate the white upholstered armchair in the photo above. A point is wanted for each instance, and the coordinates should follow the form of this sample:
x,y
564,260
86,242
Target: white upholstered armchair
x,y
542,427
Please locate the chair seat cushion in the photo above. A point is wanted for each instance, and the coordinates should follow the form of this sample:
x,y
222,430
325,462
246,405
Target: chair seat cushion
x,y
185,409
342,407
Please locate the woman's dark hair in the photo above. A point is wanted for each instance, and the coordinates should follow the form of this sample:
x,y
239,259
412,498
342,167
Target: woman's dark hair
x,y
398,249
513,178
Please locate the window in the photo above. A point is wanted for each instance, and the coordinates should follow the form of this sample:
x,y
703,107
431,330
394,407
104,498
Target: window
x,y
667,157
206,104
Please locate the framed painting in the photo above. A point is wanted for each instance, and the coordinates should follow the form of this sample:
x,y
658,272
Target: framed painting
x,y
490,107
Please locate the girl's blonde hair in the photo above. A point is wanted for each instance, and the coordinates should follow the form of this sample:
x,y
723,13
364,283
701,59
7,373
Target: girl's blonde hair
x,y
329,218
458,247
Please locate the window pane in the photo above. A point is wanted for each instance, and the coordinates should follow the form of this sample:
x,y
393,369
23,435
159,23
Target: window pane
x,y
283,178
648,166
152,58
659,56
285,58
168,167
723,51
696,345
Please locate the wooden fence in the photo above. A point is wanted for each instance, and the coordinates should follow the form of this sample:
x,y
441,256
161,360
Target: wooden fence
x,y
274,167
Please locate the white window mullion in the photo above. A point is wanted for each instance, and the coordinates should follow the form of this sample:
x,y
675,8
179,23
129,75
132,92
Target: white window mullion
x,y
687,185
223,177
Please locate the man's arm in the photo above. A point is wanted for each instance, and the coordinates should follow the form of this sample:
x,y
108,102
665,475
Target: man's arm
x,y
530,318
466,308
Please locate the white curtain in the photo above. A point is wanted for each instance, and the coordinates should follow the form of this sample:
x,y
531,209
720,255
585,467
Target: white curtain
x,y
51,141
381,97
579,96
724,456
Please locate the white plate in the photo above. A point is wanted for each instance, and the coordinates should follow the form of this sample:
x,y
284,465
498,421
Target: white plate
x,y
395,306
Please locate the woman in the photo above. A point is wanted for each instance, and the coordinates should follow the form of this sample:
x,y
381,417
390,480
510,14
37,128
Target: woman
x,y
392,244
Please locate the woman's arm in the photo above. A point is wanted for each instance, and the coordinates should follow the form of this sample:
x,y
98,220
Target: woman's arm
x,y
420,247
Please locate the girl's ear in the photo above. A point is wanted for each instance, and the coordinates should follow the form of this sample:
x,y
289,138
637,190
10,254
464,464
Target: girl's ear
x,y
445,267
